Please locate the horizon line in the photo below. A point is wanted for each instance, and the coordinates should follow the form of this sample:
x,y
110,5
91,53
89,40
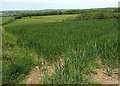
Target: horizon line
x,y
56,9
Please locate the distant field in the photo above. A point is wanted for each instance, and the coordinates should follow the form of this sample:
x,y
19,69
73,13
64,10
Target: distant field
x,y
5,19
43,19
79,43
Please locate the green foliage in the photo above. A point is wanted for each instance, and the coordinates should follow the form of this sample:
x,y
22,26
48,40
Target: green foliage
x,y
54,39
19,67
96,15
80,41
82,61
18,17
58,12
16,61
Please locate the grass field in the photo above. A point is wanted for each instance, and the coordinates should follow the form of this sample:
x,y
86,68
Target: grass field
x,y
80,44
5,19
42,19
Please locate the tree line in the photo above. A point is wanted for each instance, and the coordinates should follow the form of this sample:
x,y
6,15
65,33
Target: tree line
x,y
88,13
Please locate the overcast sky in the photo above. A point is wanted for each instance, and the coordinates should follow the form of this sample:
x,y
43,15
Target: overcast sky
x,y
56,4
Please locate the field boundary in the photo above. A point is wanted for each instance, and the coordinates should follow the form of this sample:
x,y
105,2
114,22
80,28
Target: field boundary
x,y
9,21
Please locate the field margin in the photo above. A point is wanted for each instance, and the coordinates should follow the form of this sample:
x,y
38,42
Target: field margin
x,y
1,52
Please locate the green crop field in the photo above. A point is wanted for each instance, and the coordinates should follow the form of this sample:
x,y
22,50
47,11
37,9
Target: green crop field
x,y
80,45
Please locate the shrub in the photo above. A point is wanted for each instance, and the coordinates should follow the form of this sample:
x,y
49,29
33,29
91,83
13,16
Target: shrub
x,y
18,17
98,15
83,16
109,15
16,68
118,15
95,15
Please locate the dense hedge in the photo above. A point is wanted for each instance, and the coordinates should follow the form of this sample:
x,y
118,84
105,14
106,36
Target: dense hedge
x,y
86,14
18,17
96,15
61,12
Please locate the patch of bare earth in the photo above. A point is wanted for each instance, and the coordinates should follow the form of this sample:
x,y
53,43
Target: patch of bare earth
x,y
34,76
37,74
102,77
50,69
